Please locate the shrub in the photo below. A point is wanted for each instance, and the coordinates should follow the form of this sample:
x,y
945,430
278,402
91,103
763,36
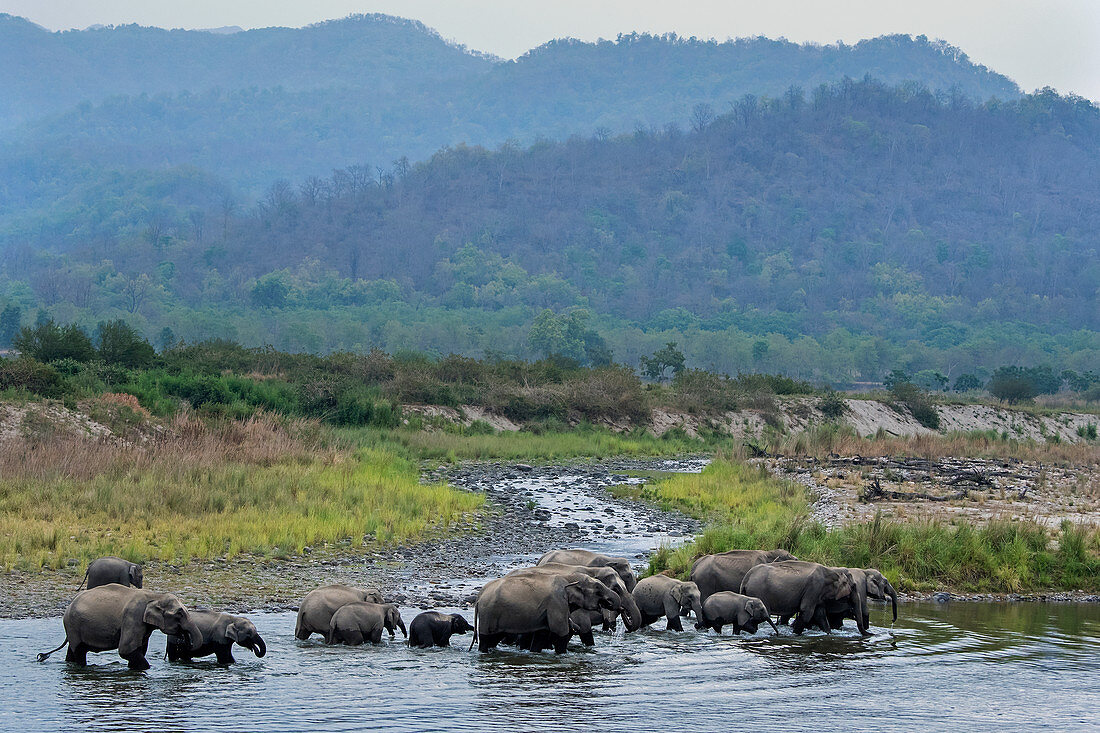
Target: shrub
x,y
918,402
612,392
1088,432
48,342
120,344
698,391
775,384
526,403
967,383
31,375
1011,388
416,383
832,405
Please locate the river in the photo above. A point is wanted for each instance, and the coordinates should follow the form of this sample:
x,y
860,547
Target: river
x,y
982,666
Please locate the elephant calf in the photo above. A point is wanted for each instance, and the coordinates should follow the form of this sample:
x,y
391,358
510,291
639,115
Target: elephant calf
x,y
315,612
433,628
219,632
726,607
104,570
356,623
660,595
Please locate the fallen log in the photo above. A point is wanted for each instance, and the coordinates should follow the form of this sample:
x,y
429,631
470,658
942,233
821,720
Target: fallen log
x,y
875,492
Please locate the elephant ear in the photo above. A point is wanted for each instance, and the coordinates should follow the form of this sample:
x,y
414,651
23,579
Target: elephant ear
x,y
743,617
232,633
155,614
677,593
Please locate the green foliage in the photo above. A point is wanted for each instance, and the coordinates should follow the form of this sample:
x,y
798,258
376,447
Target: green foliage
x,y
1088,432
663,360
749,509
31,375
918,402
832,405
967,383
48,342
119,343
567,335
702,392
1021,384
10,322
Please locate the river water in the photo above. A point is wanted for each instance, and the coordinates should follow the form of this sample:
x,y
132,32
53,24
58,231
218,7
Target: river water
x,y
982,666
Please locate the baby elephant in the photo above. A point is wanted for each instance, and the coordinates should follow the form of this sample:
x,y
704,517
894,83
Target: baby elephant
x,y
104,570
433,628
363,621
219,632
660,595
726,607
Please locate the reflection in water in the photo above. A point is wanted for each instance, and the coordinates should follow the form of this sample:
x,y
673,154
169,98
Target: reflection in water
x,y
985,666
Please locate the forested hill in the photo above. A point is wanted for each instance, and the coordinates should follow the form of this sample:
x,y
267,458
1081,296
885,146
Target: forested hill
x,y
835,234
256,106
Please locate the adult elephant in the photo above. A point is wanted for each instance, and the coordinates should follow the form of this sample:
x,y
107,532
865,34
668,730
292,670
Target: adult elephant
x,y
538,605
745,613
632,617
593,560
115,616
104,570
362,621
660,595
869,583
219,632
316,609
432,628
726,570
805,590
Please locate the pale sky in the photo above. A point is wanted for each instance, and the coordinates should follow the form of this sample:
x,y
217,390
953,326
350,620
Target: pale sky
x,y
1036,43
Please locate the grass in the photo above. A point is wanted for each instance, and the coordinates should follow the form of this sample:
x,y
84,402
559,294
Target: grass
x,y
748,508
819,441
252,487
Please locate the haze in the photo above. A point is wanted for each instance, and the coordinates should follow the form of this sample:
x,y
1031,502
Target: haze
x,y
1055,43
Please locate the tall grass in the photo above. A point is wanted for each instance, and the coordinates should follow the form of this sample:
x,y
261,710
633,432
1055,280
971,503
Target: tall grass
x,y
749,509
209,492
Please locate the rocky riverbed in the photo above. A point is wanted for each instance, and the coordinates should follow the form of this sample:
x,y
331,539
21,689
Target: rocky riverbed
x,y
529,510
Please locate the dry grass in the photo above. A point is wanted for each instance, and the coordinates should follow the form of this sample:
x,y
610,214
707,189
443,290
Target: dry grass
x,y
820,441
204,490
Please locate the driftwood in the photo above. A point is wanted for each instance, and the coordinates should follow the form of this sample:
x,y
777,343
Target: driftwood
x,y
755,450
875,492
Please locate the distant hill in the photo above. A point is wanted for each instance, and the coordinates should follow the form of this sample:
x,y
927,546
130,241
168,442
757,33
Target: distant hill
x,y
834,234
256,106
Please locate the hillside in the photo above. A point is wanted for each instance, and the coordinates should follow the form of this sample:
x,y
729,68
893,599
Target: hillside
x,y
834,236
256,106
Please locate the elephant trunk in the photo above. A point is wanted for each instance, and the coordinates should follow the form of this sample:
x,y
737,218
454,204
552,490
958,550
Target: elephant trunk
x,y
857,612
893,599
401,625
194,635
697,608
772,624
632,615
259,648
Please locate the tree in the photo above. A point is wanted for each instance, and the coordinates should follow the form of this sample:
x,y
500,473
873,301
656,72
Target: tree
x,y
896,377
1011,384
270,291
167,338
663,360
48,342
967,383
759,350
10,319
121,344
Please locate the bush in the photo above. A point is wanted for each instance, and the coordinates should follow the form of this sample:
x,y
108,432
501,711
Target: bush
x,y
31,375
48,342
967,383
525,403
774,384
120,344
360,407
918,402
698,391
1088,432
1012,388
608,392
832,405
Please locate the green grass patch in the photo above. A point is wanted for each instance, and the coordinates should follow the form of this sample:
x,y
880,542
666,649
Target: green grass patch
x,y
176,511
749,509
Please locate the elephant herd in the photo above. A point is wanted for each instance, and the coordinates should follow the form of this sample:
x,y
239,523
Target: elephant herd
x,y
566,593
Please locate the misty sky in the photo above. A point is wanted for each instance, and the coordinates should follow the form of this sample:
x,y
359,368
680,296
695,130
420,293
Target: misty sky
x,y
1036,43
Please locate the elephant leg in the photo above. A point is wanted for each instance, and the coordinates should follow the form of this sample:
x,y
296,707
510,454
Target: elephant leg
x,y
717,628
376,636
587,639
821,619
784,620
442,640
224,654
137,661
560,644
674,624
77,654
303,634
488,642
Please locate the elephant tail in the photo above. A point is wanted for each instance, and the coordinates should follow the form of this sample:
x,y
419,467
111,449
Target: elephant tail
x,y
42,657
474,640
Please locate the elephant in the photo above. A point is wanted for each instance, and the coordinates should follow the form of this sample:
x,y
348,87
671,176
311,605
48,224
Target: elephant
x,y
870,583
433,628
219,632
805,590
104,570
632,617
356,623
115,616
660,595
541,605
726,607
315,612
593,560
726,570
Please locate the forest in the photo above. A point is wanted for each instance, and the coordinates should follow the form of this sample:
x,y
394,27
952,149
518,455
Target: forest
x,y
831,235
